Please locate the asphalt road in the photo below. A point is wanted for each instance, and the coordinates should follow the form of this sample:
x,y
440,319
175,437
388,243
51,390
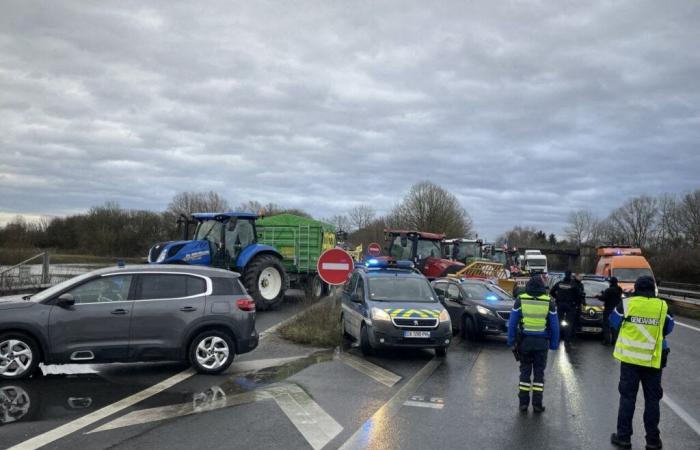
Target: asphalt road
x,y
286,396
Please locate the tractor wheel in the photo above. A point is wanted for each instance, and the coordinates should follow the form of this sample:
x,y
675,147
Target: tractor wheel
x,y
315,288
265,281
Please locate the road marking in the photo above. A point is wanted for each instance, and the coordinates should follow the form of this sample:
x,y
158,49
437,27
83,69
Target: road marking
x,y
421,402
335,266
687,326
260,364
67,369
87,420
682,413
361,437
373,371
317,427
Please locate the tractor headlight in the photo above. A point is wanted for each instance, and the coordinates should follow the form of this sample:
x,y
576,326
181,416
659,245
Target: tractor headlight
x,y
162,256
380,314
444,316
484,311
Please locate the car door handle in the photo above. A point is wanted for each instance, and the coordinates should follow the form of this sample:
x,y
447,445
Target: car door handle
x,y
119,312
188,309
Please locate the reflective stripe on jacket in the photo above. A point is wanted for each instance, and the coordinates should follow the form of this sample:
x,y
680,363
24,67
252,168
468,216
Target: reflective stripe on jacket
x,y
535,310
641,335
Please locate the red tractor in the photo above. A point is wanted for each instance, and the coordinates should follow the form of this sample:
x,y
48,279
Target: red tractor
x,y
423,249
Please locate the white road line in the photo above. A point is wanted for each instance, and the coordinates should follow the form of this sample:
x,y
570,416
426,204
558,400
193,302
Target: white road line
x,y
87,420
688,326
424,404
373,371
682,413
361,437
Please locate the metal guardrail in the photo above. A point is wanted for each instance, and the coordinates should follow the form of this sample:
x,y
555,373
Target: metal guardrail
x,y
23,279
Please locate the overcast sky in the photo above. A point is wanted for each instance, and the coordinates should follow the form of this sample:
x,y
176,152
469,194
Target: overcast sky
x,y
524,110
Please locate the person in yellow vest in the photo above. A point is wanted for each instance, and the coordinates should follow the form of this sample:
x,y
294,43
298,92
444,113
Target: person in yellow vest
x,y
643,322
533,330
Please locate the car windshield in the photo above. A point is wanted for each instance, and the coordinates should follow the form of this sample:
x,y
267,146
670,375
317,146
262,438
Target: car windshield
x,y
400,289
427,248
399,251
631,275
593,288
209,230
50,292
468,250
479,291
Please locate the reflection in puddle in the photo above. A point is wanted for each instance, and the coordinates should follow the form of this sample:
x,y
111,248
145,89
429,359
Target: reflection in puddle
x,y
15,403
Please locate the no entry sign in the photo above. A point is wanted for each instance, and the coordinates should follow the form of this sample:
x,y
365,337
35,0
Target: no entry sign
x,y
334,266
374,249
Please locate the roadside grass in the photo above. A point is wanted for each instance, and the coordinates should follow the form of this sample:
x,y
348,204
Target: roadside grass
x,y
11,256
318,326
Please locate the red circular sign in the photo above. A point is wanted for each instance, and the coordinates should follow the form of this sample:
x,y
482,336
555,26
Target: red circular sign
x,y
334,266
374,249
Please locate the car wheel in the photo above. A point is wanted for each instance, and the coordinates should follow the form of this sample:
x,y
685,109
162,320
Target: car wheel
x,y
316,288
365,344
265,281
440,352
212,352
19,356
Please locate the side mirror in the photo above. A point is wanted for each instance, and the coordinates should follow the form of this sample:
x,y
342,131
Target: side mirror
x,y
65,300
355,298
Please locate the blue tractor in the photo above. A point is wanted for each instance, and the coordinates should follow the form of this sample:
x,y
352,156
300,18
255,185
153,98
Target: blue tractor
x,y
229,241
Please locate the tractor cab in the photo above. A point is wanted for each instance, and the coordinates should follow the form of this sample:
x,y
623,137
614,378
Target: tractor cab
x,y
424,249
228,235
463,250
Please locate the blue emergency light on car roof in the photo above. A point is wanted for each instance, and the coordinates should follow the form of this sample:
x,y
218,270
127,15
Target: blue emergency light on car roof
x,y
388,263
492,298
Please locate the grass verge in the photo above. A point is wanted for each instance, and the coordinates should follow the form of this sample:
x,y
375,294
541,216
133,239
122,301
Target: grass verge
x,y
318,326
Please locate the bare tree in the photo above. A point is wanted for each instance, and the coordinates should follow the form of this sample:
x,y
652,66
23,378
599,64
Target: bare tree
x,y
270,209
581,228
191,202
636,220
429,207
688,216
361,216
339,221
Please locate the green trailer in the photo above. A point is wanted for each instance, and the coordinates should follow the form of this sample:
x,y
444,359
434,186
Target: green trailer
x,y
301,241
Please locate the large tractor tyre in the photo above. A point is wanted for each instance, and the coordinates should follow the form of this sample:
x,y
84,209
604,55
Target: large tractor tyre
x,y
265,281
315,288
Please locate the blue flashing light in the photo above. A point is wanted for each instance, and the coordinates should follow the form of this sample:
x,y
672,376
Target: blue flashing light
x,y
492,298
372,262
120,263
618,252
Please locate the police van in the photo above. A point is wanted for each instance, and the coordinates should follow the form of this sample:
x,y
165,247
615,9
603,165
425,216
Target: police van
x,y
387,303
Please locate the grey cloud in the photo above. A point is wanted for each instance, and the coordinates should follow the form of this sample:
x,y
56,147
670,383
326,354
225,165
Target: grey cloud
x,y
524,110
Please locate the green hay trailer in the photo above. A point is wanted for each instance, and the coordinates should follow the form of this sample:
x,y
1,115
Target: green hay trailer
x,y
300,241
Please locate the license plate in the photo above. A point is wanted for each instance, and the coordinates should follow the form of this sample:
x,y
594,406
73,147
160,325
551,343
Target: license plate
x,y
591,329
416,334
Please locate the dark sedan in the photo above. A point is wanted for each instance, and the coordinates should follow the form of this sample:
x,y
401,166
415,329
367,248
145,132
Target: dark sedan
x,y
477,307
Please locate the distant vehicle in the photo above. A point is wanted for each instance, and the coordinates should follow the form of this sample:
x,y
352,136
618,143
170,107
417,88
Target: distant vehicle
x,y
423,249
467,250
386,303
477,308
625,263
534,262
591,315
130,314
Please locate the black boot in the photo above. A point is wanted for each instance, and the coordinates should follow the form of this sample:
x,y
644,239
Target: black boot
x,y
523,408
538,408
654,445
615,440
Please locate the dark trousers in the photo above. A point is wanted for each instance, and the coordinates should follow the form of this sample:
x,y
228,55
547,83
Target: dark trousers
x,y
533,360
630,377
609,333
567,312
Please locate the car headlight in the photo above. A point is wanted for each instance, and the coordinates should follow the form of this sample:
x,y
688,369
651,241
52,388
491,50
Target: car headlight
x,y
380,314
484,311
444,316
162,255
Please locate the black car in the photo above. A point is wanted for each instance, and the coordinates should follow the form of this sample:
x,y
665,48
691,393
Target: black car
x,y
477,307
128,314
591,314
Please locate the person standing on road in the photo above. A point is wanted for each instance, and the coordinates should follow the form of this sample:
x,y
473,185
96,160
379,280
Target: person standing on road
x,y
533,330
643,321
566,293
611,297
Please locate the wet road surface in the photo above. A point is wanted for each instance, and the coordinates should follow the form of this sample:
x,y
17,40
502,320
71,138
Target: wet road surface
x,y
288,396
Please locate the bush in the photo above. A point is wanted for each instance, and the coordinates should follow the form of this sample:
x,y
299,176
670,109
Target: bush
x,y
318,326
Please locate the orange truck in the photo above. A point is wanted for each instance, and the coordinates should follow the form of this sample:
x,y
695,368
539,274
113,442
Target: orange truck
x,y
625,263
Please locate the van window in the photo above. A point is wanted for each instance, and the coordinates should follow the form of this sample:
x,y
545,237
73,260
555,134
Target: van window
x,y
160,286
631,275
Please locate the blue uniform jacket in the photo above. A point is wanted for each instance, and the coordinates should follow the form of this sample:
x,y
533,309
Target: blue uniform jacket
x,y
618,316
551,332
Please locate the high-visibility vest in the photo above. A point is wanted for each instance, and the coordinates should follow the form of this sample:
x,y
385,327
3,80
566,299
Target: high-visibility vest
x,y
641,336
535,310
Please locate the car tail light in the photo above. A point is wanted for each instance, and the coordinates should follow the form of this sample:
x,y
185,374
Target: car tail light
x,y
245,304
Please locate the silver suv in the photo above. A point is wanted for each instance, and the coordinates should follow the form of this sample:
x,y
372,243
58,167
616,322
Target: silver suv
x,y
127,314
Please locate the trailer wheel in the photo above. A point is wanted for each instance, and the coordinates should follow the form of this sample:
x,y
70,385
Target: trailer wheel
x,y
316,288
265,281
